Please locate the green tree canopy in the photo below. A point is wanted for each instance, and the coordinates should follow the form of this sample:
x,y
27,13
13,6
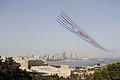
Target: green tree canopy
x,y
36,63
9,70
109,72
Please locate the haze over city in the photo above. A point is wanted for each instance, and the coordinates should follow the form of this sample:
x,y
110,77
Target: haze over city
x,y
29,27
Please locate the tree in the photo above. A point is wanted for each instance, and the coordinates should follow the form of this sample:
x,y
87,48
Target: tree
x,y
109,72
36,63
105,74
9,70
114,71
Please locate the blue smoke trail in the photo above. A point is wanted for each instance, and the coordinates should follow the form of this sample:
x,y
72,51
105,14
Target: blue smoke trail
x,y
68,23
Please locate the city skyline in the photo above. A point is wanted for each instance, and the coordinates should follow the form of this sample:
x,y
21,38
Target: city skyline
x,y
29,27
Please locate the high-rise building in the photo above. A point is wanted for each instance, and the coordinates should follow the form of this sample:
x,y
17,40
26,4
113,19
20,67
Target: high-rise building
x,y
64,55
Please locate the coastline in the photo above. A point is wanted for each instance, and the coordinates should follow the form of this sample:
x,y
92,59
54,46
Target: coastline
x,y
83,62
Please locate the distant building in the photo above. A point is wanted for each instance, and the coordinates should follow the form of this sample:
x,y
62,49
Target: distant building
x,y
64,55
64,71
23,63
55,57
89,72
73,56
3,57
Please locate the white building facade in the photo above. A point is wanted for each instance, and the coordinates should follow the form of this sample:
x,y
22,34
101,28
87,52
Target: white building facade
x,y
64,71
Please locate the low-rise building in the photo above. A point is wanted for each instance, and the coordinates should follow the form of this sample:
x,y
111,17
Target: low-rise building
x,y
23,64
64,71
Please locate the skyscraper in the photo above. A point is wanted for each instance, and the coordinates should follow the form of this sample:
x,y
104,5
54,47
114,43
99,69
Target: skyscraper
x,y
64,55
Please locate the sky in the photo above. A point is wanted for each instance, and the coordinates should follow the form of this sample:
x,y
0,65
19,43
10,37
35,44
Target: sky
x,y
29,27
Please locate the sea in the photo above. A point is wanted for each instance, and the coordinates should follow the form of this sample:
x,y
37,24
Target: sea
x,y
84,62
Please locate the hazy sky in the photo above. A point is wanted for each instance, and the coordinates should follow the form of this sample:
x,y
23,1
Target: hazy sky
x,y
29,27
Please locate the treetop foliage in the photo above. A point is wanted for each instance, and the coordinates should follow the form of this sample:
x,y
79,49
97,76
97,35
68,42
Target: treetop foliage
x,y
9,70
109,72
